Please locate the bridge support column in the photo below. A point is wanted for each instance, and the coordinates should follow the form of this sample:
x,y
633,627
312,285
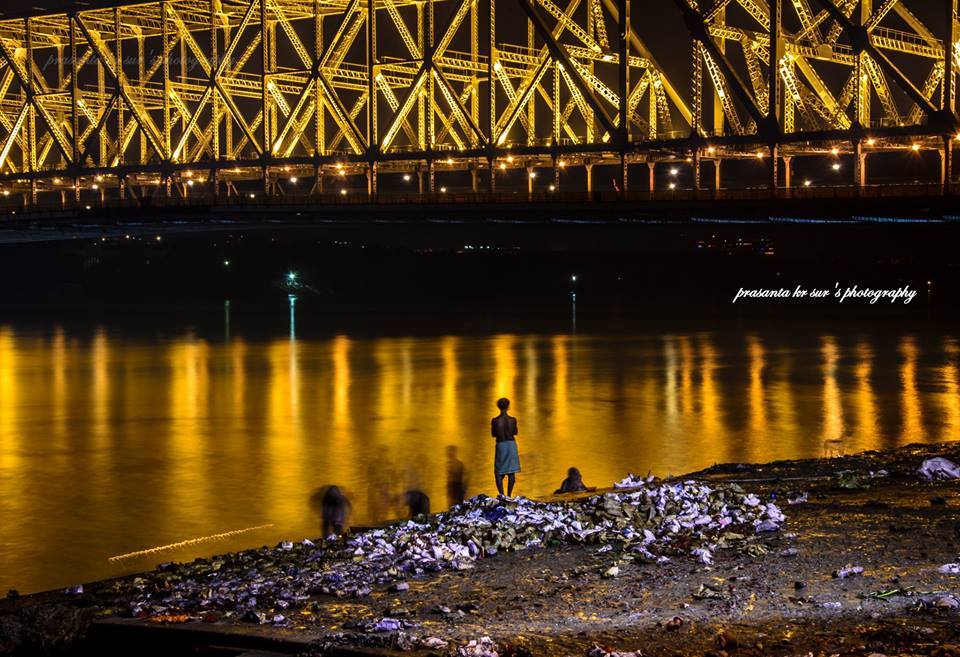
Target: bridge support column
x,y
33,192
859,166
372,180
318,180
431,177
588,168
474,179
651,173
531,174
787,172
624,172
716,174
76,189
696,170
774,166
946,164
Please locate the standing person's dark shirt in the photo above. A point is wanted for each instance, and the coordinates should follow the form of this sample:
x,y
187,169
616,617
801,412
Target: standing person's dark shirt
x,y
503,428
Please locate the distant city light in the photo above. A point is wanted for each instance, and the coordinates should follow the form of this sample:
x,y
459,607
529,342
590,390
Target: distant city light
x,y
915,147
252,195
226,263
562,163
406,177
502,166
871,141
806,183
759,155
343,192
836,166
673,185
293,179
158,238
189,183
573,278
443,190
674,171
835,151
291,277
553,188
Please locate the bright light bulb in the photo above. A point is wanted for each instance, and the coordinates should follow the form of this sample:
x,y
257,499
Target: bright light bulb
x,y
406,177
836,166
293,179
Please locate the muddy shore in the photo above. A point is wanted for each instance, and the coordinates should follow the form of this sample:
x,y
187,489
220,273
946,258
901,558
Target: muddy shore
x,y
782,598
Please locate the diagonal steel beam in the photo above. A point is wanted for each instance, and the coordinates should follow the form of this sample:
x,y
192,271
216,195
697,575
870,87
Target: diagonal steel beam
x,y
560,55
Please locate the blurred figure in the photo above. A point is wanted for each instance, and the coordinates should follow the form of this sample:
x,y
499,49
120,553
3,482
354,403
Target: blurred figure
x,y
381,494
506,462
456,479
333,507
573,483
418,503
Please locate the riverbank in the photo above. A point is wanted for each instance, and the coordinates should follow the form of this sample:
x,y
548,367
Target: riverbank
x,y
762,593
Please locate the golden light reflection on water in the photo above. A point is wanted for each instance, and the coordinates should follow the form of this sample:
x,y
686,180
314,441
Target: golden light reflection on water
x,y
164,441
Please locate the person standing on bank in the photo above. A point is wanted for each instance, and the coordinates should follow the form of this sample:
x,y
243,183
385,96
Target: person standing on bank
x,y
507,460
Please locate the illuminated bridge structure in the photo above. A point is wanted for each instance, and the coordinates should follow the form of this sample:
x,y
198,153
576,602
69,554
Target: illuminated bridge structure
x,y
170,101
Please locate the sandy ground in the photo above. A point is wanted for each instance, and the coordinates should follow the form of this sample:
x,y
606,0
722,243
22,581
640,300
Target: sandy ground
x,y
556,601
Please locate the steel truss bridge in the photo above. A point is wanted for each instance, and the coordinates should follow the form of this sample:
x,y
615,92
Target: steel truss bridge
x,y
237,99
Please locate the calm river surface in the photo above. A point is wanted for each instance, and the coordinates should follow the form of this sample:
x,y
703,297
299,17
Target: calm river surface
x,y
111,444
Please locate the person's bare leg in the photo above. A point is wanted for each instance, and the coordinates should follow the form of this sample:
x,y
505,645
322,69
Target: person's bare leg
x,y
511,480
499,479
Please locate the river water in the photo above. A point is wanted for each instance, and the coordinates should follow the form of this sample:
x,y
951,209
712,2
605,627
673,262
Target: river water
x,y
111,444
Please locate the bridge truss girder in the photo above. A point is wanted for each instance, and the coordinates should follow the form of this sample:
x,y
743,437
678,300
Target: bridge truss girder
x,y
174,92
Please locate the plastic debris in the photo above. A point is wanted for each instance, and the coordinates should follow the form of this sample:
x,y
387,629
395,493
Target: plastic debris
x,y
848,571
598,651
653,520
482,647
939,468
74,590
939,601
950,569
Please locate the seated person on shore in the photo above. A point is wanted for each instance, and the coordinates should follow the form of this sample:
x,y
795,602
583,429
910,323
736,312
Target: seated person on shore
x,y
418,502
573,483
333,508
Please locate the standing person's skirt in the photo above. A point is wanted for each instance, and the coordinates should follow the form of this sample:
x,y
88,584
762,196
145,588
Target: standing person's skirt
x,y
507,460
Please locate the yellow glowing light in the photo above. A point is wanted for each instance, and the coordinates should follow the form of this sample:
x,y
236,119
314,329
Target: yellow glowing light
x,y
673,185
835,151
711,150
806,183
443,190
553,188
293,179
502,166
533,174
563,163
343,192
509,158
759,155
915,147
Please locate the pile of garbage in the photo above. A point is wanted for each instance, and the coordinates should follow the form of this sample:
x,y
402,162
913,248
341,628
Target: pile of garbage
x,y
649,519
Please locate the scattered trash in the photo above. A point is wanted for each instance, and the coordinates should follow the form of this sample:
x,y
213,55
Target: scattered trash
x,y
674,623
482,647
887,594
74,590
433,642
831,605
652,518
400,586
795,497
789,552
939,468
939,602
848,571
597,651
707,591
950,569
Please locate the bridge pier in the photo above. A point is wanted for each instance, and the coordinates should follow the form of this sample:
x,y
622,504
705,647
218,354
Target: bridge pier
x,y
531,174
318,180
716,174
774,166
474,179
696,169
588,168
372,180
946,164
859,166
651,172
787,172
